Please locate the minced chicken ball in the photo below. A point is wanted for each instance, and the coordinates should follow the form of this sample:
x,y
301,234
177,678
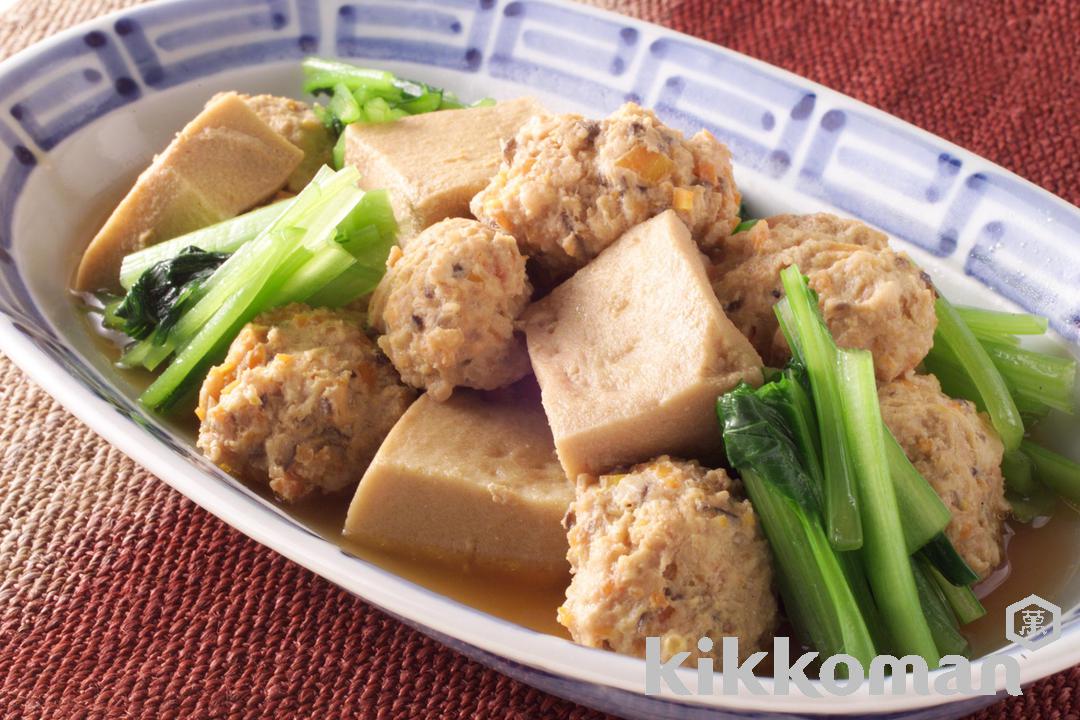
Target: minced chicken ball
x,y
303,400
448,306
959,453
670,550
870,296
569,186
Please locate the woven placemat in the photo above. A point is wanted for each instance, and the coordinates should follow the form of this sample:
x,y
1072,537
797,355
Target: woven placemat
x,y
120,598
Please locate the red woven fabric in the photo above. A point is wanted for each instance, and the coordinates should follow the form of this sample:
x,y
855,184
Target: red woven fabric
x,y
150,607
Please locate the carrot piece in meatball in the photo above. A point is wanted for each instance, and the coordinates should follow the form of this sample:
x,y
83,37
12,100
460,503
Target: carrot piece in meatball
x,y
302,401
448,306
670,550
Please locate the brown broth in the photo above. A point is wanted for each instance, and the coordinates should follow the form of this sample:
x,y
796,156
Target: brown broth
x,y
513,597
1041,559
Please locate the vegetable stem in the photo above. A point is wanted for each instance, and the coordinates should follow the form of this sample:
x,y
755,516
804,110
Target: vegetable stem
x,y
939,615
222,237
924,514
984,375
886,561
993,323
842,518
1056,472
1019,472
942,554
816,581
328,229
1040,377
961,598
1027,509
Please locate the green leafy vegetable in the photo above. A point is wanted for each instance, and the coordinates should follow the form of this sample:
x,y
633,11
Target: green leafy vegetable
x,y
1028,508
756,435
161,294
942,555
939,614
961,598
960,345
224,237
885,556
337,156
364,95
331,239
992,324
818,353
744,226
1019,472
787,395
1034,376
1056,472
816,590
925,515
977,356
1036,381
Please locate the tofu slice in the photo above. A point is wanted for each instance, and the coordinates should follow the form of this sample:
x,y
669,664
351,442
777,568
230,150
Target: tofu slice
x,y
222,163
473,480
434,163
632,352
296,122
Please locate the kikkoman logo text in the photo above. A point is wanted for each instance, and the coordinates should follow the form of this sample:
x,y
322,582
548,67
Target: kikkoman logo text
x,y
1033,622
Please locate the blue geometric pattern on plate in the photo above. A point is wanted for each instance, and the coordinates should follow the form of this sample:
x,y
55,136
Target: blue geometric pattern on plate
x,y
557,48
448,34
172,44
70,85
762,118
837,168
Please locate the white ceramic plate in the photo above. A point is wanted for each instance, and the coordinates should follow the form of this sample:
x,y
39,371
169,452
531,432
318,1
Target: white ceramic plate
x,y
83,111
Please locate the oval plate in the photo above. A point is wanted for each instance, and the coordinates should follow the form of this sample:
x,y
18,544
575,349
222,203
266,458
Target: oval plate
x,y
82,111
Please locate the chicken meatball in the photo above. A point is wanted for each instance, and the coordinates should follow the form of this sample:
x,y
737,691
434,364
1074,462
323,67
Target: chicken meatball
x,y
667,550
959,453
569,187
448,306
303,400
870,296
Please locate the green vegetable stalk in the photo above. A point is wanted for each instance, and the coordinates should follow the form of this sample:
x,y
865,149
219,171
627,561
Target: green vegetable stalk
x,y
958,340
332,231
1056,472
886,560
367,96
223,237
925,515
818,353
992,324
941,553
977,356
939,614
960,598
816,590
